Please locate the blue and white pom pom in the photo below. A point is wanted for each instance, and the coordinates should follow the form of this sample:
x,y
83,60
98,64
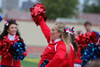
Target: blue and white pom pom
x,y
91,53
19,48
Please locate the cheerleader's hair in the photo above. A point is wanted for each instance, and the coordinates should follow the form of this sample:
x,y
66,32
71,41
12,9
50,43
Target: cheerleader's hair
x,y
64,36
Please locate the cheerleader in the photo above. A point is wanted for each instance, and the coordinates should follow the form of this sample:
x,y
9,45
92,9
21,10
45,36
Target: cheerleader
x,y
88,28
59,52
10,33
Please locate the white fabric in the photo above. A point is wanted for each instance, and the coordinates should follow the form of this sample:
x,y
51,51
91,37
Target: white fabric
x,y
57,40
55,47
10,37
72,46
77,65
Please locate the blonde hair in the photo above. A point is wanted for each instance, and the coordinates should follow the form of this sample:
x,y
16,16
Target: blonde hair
x,y
64,36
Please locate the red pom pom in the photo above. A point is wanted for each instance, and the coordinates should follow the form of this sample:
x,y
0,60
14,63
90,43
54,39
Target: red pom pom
x,y
94,38
85,39
37,12
5,47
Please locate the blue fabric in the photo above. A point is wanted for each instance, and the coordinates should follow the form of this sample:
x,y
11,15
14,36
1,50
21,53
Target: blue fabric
x,y
0,18
9,66
5,66
78,63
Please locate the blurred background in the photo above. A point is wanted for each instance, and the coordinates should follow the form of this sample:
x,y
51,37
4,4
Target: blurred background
x,y
72,12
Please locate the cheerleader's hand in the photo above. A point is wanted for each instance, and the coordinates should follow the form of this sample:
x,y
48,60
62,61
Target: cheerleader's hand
x,y
25,53
44,63
40,19
38,11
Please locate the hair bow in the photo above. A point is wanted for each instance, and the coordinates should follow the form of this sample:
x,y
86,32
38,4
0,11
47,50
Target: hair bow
x,y
6,23
68,30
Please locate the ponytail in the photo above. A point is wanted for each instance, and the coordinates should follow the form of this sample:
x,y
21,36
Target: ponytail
x,y
66,39
75,45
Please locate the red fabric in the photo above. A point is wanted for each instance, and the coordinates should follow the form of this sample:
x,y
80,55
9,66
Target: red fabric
x,y
69,61
45,29
0,47
59,56
56,58
9,61
0,53
5,46
78,57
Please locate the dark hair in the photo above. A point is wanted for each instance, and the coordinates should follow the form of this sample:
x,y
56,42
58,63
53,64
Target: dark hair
x,y
87,23
75,45
6,27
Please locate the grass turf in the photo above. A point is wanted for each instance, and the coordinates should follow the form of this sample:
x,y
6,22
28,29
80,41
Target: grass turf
x,y
30,62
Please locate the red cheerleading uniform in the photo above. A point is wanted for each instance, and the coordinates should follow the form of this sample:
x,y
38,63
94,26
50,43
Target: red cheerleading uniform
x,y
56,51
9,61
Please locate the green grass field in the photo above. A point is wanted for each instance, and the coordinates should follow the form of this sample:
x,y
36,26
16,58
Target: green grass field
x,y
29,62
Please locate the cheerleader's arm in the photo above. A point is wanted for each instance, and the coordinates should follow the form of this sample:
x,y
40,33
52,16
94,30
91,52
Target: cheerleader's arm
x,y
45,29
58,58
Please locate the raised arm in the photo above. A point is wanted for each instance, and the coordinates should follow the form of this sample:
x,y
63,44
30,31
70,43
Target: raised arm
x,y
45,29
59,56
